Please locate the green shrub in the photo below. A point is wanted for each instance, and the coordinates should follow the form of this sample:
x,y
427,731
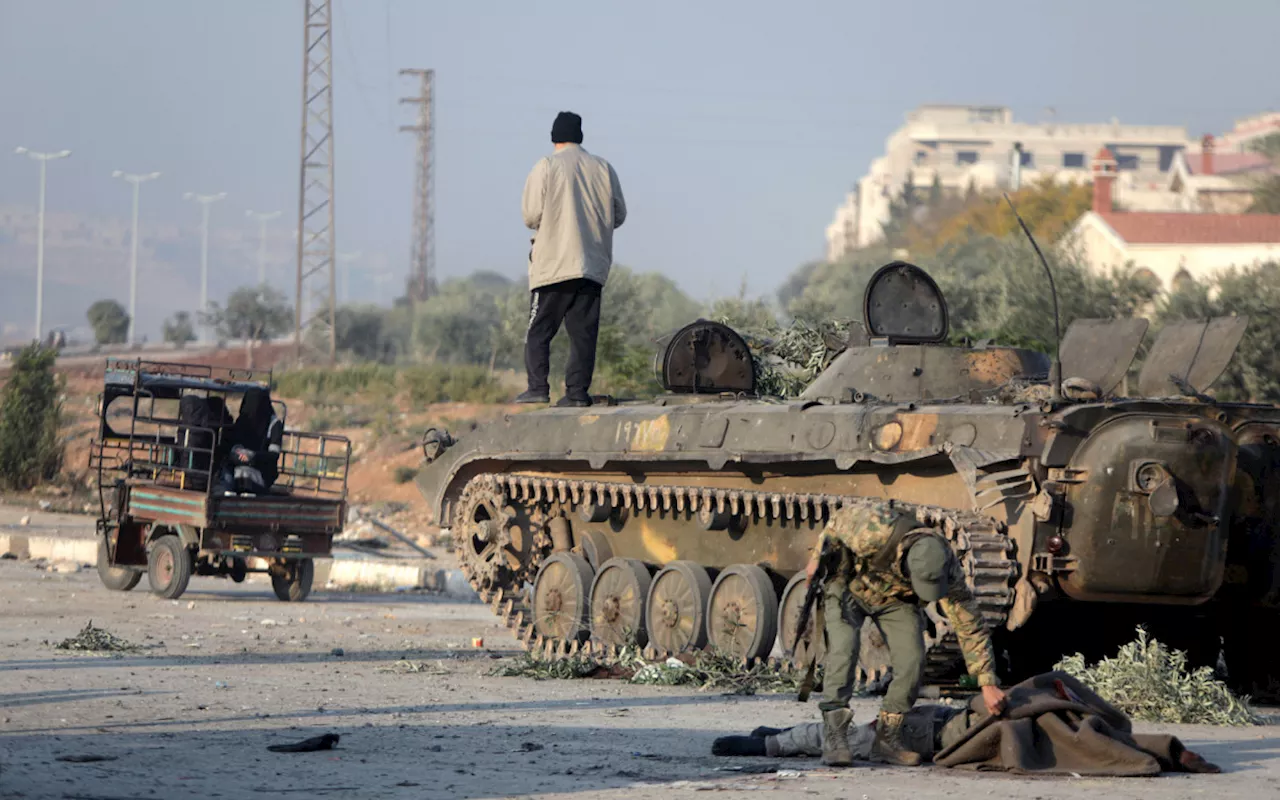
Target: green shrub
x,y
1151,683
404,474
30,413
434,383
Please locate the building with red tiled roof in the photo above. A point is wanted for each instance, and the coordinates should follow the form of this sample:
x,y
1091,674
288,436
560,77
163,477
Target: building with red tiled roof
x,y
1168,245
1218,182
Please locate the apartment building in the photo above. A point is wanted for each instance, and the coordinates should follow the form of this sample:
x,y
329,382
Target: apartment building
x,y
984,147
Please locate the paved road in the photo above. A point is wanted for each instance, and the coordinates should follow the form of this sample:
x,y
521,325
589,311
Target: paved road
x,y
228,670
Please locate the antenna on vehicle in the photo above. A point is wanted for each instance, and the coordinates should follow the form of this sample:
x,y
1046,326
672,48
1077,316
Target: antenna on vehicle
x,y
1055,371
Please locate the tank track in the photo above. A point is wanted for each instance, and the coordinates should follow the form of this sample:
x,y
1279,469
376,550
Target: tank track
x,y
978,540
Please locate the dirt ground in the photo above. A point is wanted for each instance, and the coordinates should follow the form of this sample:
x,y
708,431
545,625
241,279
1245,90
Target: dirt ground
x,y
227,670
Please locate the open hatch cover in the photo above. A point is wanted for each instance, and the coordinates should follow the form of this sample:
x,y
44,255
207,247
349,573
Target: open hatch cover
x,y
1101,350
1195,351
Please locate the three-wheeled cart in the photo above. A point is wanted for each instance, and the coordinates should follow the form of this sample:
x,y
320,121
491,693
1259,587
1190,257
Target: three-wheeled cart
x,y
165,508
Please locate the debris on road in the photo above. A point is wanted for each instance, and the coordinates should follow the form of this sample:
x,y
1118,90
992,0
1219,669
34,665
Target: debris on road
x,y
96,640
407,667
87,758
707,671
326,742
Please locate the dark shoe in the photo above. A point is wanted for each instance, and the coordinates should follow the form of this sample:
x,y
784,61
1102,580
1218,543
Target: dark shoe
x,y
835,738
738,746
764,731
573,402
533,397
888,746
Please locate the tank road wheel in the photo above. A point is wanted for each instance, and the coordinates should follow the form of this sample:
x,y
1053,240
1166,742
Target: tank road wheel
x,y
117,579
168,567
618,597
497,543
742,612
561,598
811,647
676,609
294,584
595,548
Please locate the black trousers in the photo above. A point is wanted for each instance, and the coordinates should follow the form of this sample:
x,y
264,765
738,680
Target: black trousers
x,y
576,304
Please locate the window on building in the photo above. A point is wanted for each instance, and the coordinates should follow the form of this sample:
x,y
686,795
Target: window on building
x,y
1027,159
966,156
922,156
1129,163
1073,160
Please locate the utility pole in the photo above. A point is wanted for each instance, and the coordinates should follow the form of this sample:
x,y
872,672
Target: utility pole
x,y
137,181
205,200
263,217
44,159
316,246
421,282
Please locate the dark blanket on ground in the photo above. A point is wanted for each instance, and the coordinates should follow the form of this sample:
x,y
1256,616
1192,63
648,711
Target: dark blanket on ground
x,y
1056,725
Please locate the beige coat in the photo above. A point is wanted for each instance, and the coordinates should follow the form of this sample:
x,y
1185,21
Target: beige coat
x,y
573,201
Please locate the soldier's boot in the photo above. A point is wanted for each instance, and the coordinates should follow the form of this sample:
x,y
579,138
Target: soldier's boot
x,y
835,738
888,746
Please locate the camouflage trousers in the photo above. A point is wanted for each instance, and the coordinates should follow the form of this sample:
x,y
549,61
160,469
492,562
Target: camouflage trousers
x,y
926,730
899,623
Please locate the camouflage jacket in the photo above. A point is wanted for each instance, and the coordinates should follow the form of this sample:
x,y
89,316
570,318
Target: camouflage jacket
x,y
864,532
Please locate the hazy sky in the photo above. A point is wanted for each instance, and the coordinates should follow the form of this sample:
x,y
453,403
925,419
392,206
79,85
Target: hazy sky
x,y
736,127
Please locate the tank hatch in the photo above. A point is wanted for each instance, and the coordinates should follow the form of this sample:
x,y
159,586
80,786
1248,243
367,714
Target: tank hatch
x,y
904,305
1190,355
1101,350
706,357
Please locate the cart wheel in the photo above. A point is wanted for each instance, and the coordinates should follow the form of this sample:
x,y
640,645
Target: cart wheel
x,y
168,567
295,585
239,569
117,579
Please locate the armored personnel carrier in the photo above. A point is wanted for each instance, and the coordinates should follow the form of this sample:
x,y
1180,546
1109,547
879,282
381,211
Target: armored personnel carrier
x,y
685,521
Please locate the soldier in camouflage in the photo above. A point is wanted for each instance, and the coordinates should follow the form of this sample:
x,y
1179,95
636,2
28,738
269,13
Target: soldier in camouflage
x,y
889,568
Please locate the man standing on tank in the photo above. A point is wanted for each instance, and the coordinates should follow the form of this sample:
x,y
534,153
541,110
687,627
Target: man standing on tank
x,y
573,202
889,567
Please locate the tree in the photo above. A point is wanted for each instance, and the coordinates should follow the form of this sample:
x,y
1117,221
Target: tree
x,y
252,313
1268,146
1266,196
178,329
30,413
1254,371
110,322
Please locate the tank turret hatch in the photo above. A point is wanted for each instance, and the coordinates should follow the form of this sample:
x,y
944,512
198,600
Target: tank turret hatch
x,y
903,305
1188,356
706,357
1101,350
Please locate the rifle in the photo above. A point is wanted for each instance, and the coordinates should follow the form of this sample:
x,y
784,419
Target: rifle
x,y
828,559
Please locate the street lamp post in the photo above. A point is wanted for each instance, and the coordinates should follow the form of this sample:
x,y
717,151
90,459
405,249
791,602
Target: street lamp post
x,y
205,200
263,218
137,181
44,159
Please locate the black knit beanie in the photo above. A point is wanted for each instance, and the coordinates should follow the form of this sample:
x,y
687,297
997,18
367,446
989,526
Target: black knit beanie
x,y
567,128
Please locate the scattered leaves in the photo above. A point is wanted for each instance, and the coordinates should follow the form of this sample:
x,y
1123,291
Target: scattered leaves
x,y
705,670
97,640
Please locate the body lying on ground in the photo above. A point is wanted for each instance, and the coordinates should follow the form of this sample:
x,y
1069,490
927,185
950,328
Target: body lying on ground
x,y
1053,725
